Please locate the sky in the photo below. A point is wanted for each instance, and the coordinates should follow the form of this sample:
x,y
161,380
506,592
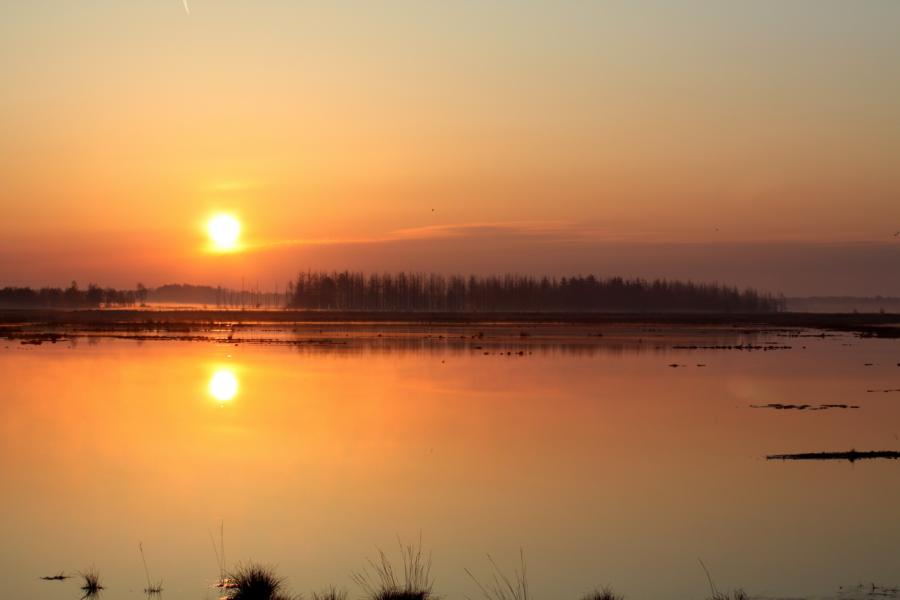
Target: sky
x,y
750,143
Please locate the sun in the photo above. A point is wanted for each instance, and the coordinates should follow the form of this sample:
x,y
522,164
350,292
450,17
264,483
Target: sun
x,y
224,232
223,386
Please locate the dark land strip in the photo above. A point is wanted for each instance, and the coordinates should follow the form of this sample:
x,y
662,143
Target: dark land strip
x,y
850,455
779,406
866,325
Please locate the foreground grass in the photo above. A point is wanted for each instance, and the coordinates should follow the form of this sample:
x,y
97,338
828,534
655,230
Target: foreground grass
x,y
381,581
737,594
605,593
153,588
331,593
410,579
502,587
253,581
90,583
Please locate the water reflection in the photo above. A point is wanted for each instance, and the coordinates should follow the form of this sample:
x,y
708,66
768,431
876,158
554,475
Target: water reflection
x,y
223,385
598,465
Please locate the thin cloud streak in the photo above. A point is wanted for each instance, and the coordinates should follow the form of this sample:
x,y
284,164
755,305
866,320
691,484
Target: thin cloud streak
x,y
550,231
794,267
542,232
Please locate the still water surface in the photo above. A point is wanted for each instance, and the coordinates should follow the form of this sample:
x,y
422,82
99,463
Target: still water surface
x,y
606,465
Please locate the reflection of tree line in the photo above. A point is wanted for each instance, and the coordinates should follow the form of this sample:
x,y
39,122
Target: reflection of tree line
x,y
433,292
71,297
399,346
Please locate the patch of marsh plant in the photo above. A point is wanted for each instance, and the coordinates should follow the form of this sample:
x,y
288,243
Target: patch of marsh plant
x,y
152,589
605,593
223,581
502,587
330,594
737,594
381,581
61,576
253,581
715,594
90,583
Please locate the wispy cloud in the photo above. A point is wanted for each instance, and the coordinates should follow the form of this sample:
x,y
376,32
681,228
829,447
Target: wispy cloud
x,y
547,231
544,233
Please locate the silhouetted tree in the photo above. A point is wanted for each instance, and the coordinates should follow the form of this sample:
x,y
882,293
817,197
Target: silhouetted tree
x,y
140,293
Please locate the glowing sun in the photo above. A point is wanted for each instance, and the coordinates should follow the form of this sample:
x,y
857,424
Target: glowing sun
x,y
223,385
224,231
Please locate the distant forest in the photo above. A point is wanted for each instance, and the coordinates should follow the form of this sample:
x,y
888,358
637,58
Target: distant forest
x,y
418,292
71,297
94,296
512,293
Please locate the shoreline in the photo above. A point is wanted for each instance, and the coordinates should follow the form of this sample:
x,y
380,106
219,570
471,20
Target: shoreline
x,y
865,324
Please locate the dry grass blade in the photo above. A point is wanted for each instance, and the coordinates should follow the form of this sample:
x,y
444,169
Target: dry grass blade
x,y
152,589
383,583
219,551
715,594
737,594
330,594
501,587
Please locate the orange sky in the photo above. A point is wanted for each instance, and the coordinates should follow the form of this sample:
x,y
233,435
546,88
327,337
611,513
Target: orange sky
x,y
378,136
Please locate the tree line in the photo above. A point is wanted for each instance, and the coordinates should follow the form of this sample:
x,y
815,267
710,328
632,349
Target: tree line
x,y
423,292
511,293
93,296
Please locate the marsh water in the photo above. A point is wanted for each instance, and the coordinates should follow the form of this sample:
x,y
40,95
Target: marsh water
x,y
594,455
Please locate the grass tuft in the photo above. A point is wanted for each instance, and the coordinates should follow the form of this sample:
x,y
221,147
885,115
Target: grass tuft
x,y
501,587
154,589
330,594
90,583
255,582
605,593
737,594
383,582
61,576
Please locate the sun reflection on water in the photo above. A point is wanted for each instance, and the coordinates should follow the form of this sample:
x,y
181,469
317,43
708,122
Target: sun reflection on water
x,y
223,385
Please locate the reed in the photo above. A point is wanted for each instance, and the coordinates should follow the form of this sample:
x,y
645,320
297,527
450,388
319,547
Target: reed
x,y
502,587
381,581
331,593
90,583
152,589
